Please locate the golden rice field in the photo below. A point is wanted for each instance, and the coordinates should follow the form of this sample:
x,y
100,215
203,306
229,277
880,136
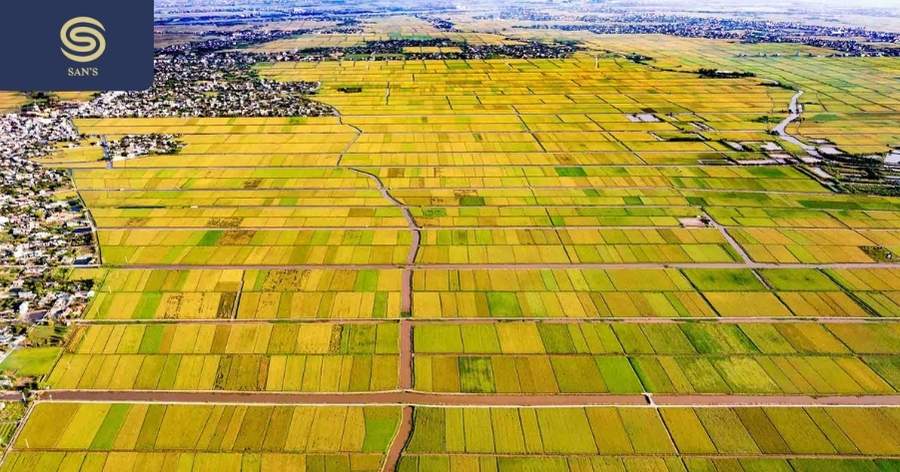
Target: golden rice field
x,y
308,294
629,358
476,144
530,229
852,102
273,357
105,436
561,439
11,101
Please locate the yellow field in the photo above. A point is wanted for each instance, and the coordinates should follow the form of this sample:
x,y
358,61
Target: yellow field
x,y
11,101
591,225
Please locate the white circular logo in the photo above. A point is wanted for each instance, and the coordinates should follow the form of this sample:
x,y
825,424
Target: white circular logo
x,y
82,39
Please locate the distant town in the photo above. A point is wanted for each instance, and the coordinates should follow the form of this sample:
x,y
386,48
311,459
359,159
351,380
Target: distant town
x,y
847,41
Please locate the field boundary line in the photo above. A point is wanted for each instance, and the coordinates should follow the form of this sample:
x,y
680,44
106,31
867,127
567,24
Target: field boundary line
x,y
95,230
483,320
483,187
235,309
512,266
419,398
723,456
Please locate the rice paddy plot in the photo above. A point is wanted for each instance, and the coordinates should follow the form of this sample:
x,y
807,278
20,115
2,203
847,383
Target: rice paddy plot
x,y
163,200
11,101
573,246
879,289
104,436
250,217
551,358
253,247
786,246
664,293
319,357
136,294
565,438
499,293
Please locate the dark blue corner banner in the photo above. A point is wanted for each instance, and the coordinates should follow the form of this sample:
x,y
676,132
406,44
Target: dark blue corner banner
x,y
76,45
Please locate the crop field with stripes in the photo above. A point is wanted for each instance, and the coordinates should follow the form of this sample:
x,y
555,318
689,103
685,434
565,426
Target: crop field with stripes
x,y
481,265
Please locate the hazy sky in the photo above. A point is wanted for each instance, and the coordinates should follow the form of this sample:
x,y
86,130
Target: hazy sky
x,y
699,4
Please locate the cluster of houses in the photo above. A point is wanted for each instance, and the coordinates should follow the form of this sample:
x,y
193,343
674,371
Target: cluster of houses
x,y
43,226
212,84
41,223
130,146
41,295
439,24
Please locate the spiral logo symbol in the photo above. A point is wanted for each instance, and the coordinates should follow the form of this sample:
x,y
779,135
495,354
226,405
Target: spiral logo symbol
x,y
82,39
